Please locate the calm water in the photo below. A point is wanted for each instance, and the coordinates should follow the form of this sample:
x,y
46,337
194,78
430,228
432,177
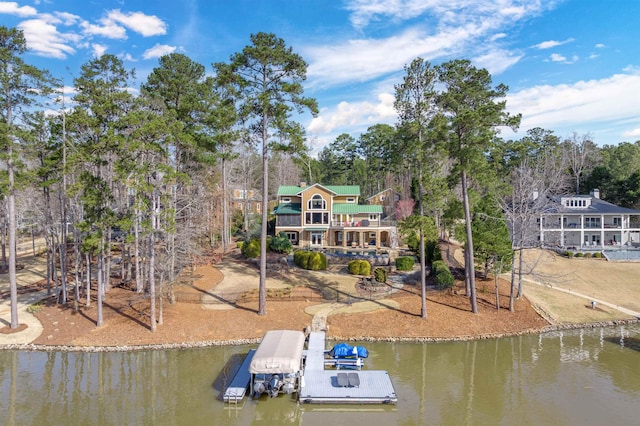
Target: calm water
x,y
589,377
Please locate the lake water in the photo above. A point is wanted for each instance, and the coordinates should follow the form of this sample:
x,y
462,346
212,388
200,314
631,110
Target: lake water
x,y
580,377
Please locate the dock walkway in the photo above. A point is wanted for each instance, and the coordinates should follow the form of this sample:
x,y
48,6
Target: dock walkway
x,y
237,389
320,386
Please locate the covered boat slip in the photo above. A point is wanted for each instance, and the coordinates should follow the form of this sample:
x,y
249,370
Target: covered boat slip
x,y
276,366
320,386
280,352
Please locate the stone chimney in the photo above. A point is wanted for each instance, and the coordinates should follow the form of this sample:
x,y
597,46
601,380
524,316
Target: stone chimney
x,y
303,184
595,193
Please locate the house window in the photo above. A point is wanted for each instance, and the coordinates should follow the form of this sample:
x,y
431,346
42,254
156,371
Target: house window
x,y
351,200
617,222
373,217
286,199
316,218
317,203
382,198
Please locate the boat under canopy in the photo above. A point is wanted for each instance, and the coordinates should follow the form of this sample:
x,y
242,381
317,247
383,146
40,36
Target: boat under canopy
x,y
280,352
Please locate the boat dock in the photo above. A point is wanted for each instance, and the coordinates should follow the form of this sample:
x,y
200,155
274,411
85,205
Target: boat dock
x,y
320,386
237,389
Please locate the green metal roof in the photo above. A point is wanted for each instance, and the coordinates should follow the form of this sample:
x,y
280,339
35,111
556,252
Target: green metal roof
x,y
285,190
292,190
348,208
345,189
288,208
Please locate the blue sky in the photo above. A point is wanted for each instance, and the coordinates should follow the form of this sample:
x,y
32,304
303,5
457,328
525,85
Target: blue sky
x,y
571,65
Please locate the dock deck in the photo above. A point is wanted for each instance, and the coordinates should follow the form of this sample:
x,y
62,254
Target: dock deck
x,y
237,389
320,386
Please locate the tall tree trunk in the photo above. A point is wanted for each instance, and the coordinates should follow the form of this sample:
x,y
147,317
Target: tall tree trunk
x,y
469,267
13,282
226,237
3,243
512,293
100,285
520,261
136,233
423,260
76,256
262,292
152,264
88,293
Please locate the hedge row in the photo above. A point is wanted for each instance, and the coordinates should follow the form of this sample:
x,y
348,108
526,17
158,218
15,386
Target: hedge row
x,y
312,260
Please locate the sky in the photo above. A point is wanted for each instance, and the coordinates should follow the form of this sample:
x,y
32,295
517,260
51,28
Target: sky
x,y
572,66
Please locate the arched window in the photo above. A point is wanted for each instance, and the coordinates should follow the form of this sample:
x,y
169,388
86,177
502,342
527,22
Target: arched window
x,y
317,203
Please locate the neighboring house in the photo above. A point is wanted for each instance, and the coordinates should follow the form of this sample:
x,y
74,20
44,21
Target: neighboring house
x,y
388,199
586,221
246,199
320,216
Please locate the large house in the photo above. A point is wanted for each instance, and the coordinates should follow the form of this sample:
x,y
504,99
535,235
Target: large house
x,y
388,199
587,222
329,215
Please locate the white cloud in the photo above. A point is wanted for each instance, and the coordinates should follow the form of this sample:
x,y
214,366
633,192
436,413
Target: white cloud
x,y
108,29
98,49
497,60
552,43
599,46
556,57
12,8
352,114
363,59
44,38
146,25
612,101
158,50
635,133
457,12
449,29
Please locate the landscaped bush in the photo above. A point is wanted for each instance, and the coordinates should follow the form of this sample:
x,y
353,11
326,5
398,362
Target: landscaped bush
x,y
438,266
587,255
359,267
380,275
312,260
568,254
444,279
280,244
597,255
579,254
251,249
432,251
317,261
404,263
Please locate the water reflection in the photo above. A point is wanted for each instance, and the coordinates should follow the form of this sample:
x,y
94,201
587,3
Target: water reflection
x,y
570,377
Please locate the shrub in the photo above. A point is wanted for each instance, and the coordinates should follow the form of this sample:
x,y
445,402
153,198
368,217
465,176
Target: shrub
x,y
444,279
280,244
568,254
312,260
317,261
380,275
579,254
438,266
404,263
587,255
251,249
597,255
432,251
359,267
240,244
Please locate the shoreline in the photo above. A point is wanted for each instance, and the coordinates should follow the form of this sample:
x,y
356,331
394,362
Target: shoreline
x,y
29,347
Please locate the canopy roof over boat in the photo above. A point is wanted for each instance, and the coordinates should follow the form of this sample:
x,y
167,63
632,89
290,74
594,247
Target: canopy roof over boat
x,y
279,352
